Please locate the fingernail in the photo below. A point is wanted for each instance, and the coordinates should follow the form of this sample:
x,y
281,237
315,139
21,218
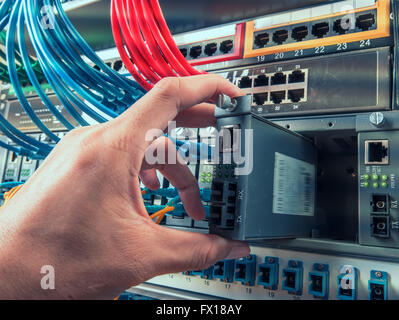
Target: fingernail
x,y
238,251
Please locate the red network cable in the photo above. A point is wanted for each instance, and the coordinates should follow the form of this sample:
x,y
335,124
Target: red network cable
x,y
145,43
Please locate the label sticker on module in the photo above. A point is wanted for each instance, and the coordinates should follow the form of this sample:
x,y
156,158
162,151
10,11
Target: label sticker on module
x,y
294,186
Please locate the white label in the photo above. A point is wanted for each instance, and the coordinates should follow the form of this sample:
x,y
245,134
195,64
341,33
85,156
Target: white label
x,y
294,186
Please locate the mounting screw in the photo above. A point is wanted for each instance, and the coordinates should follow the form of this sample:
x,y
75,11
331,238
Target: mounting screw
x,y
378,274
226,103
294,264
271,260
320,267
377,119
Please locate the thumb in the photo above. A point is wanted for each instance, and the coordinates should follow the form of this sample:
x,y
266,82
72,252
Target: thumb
x,y
181,251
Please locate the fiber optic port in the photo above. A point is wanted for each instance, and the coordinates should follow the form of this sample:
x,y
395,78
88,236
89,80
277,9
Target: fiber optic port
x,y
195,52
300,33
262,39
296,95
260,98
278,79
342,26
226,46
293,277
261,81
319,281
215,214
210,49
245,82
376,152
245,270
378,285
296,76
183,52
204,274
380,226
280,36
379,203
365,21
118,64
224,270
277,97
347,283
268,277
319,30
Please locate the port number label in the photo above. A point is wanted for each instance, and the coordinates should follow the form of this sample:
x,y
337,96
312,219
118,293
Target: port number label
x,y
298,53
319,50
248,290
227,286
188,279
279,55
261,58
365,43
206,282
342,46
271,294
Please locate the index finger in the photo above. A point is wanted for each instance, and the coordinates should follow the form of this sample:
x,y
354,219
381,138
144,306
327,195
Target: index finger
x,y
164,102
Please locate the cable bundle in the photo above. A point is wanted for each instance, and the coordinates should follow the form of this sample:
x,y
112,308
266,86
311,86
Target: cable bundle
x,y
84,91
145,43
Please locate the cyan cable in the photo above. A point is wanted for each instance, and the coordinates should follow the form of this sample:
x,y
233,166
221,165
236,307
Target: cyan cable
x,y
128,85
32,75
10,184
10,50
90,74
30,11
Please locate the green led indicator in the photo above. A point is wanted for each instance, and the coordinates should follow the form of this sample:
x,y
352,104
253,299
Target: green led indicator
x,y
209,174
202,180
366,177
208,180
375,177
384,177
366,184
384,185
203,174
375,185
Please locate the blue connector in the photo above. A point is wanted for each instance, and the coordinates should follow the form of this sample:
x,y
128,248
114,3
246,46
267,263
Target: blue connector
x,y
347,283
132,296
293,275
224,270
245,270
319,280
378,285
204,274
268,277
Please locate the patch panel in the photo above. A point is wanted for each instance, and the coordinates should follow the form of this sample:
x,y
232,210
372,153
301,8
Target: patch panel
x,y
212,45
347,283
245,270
293,277
378,285
319,281
369,281
319,27
269,273
303,87
224,270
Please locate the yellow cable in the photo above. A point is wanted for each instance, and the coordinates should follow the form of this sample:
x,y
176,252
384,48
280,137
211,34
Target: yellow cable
x,y
161,214
10,194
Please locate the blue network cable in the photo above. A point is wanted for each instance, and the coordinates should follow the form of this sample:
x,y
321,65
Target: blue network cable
x,y
10,51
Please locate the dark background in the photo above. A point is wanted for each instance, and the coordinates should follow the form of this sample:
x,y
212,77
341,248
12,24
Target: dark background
x,y
93,21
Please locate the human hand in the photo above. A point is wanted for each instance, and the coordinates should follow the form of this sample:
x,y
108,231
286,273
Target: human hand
x,y
82,211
